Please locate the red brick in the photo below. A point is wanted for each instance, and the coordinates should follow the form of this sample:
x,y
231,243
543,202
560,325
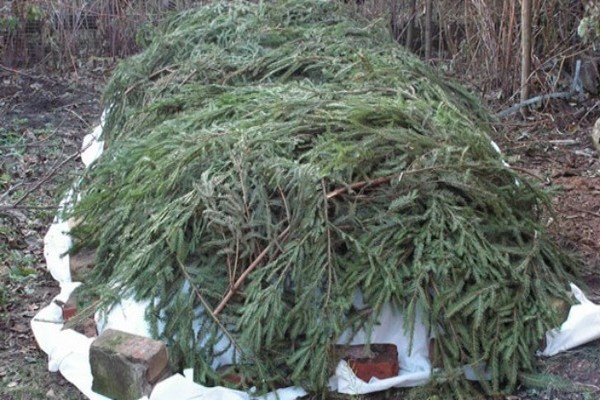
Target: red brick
x,y
126,366
231,374
380,362
68,311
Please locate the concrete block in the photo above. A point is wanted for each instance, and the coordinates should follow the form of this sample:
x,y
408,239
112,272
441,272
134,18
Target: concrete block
x,y
126,366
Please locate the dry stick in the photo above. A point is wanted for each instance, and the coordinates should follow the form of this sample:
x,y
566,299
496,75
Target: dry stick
x,y
527,172
12,189
151,77
594,214
207,306
247,272
37,78
560,95
360,185
50,174
14,71
34,144
45,178
79,117
4,208
329,254
385,179
48,321
533,100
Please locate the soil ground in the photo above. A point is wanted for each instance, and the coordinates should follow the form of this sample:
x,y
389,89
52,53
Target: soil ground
x,y
43,119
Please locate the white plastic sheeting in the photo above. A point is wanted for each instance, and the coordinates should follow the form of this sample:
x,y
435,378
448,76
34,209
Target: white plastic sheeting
x,y
68,351
582,326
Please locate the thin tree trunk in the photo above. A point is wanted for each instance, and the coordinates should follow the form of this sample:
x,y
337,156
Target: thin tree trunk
x,y
410,29
508,44
428,28
394,19
525,48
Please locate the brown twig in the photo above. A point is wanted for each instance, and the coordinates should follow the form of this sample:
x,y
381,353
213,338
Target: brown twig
x,y
385,179
153,75
47,177
246,273
5,207
14,71
592,213
329,244
527,172
213,315
359,185
47,321
79,117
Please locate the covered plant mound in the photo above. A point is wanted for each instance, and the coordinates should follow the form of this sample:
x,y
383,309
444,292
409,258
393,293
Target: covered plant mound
x,y
266,162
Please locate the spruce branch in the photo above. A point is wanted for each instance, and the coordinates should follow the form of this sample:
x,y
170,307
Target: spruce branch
x,y
247,272
385,179
212,158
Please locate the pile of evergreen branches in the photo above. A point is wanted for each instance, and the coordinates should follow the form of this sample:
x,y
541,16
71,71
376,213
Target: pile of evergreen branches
x,y
266,161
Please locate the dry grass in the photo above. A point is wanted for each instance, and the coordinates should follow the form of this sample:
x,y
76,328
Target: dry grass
x,y
477,40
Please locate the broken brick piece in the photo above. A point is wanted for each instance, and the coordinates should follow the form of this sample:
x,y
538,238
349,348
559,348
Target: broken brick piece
x,y
231,375
380,362
68,311
126,366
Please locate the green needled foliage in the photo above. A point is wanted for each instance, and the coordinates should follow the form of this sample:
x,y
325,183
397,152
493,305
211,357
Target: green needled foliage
x,y
266,161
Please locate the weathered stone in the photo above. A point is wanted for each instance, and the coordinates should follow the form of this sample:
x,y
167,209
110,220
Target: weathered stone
x,y
81,263
126,366
596,135
590,75
87,327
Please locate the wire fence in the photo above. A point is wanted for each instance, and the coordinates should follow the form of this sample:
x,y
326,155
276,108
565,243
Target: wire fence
x,y
478,40
62,33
